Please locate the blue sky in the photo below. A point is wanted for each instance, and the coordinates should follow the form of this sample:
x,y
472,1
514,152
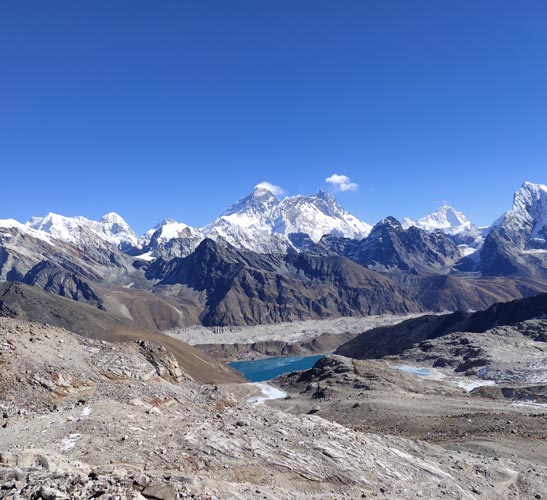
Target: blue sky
x,y
178,108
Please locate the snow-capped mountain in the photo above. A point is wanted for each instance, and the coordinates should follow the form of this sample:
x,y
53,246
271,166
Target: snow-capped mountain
x,y
170,239
246,224
525,225
453,223
7,224
117,231
82,232
516,244
316,216
260,222
263,223
446,218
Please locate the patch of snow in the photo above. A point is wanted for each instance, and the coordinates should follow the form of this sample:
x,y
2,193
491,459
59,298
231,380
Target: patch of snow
x,y
117,231
22,228
9,223
269,392
145,256
429,373
466,250
529,404
450,221
470,384
86,411
70,442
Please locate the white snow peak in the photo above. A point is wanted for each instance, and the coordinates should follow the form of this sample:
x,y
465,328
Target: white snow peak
x,y
262,222
526,223
111,229
170,239
445,218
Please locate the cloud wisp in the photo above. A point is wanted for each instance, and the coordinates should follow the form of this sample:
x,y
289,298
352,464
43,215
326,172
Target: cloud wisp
x,y
272,188
341,182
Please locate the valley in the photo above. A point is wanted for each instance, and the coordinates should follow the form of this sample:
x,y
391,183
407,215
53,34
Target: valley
x,y
419,350
285,250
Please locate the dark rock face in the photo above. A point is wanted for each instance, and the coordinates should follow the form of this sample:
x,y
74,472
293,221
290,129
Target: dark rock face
x,y
61,268
498,258
248,288
226,286
536,393
334,245
390,247
61,282
392,340
452,292
301,241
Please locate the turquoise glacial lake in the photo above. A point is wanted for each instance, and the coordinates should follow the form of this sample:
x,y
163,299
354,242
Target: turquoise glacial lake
x,y
265,369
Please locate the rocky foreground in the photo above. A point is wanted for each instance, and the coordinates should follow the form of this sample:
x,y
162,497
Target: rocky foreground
x,y
85,418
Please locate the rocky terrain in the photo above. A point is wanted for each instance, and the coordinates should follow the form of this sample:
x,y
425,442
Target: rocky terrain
x,y
515,357
33,304
380,397
297,338
83,418
393,340
324,343
505,345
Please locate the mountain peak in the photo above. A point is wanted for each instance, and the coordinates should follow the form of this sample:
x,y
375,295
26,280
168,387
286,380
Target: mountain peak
x,y
79,230
526,223
254,206
261,193
533,186
446,219
260,190
59,226
390,222
326,196
117,231
316,216
528,194
268,186
112,218
170,239
261,221
166,222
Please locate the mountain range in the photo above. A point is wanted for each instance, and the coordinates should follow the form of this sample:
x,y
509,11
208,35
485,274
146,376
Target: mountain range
x,y
267,259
